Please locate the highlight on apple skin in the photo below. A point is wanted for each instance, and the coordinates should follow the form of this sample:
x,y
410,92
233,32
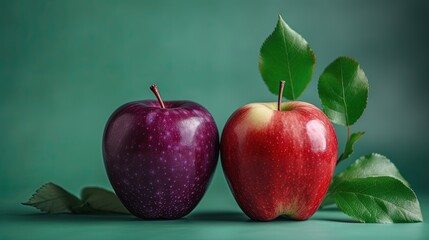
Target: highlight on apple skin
x,y
279,162
160,156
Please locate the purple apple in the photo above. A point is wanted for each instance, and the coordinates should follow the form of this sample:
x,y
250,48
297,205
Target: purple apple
x,y
160,156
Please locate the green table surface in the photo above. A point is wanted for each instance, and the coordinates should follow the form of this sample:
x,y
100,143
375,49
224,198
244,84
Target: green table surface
x,y
214,218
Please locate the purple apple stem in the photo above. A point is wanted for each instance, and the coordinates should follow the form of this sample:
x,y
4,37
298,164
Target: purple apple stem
x,y
279,101
154,89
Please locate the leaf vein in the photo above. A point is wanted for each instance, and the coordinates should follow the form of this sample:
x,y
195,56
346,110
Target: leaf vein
x,y
344,95
288,63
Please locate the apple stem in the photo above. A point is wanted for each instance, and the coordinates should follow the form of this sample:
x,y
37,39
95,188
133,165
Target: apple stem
x,y
347,142
348,133
154,89
279,101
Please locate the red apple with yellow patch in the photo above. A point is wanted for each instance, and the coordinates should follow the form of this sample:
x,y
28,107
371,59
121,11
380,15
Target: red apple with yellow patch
x,y
279,158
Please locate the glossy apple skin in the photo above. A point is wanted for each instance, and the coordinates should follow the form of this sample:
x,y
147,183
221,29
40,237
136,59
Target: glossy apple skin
x,y
160,161
279,162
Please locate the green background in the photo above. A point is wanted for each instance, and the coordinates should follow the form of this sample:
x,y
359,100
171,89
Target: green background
x,y
65,66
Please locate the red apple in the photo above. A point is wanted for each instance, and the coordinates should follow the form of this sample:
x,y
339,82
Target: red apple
x,y
279,162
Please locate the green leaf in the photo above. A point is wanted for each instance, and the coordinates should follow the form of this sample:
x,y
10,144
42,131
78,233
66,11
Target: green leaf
x,y
285,55
51,198
354,137
378,200
372,165
343,90
102,201
327,201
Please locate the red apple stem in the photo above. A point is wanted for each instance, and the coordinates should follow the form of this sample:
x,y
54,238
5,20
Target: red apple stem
x,y
154,89
279,101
